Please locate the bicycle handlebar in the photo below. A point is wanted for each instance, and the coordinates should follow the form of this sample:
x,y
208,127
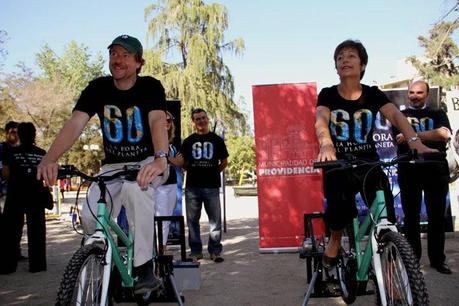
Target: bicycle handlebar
x,y
128,172
411,157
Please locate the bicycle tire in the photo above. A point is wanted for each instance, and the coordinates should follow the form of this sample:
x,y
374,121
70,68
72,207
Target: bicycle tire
x,y
88,257
346,268
406,286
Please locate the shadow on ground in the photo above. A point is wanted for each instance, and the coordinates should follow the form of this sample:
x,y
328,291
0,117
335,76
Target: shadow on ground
x,y
245,278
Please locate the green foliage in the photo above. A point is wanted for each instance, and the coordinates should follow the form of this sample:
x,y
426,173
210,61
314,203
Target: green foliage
x,y
242,155
74,69
441,53
47,100
187,56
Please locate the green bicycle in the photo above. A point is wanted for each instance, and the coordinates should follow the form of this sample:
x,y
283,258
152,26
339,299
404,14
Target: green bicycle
x,y
375,249
101,271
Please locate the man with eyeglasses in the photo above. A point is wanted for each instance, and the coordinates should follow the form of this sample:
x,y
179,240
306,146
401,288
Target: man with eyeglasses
x,y
205,156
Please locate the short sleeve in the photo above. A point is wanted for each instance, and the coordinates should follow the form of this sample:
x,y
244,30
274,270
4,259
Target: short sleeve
x,y
86,102
443,120
324,97
380,99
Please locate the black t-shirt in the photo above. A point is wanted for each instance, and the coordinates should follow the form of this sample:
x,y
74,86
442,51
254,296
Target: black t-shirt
x,y
352,121
203,153
123,116
425,120
22,161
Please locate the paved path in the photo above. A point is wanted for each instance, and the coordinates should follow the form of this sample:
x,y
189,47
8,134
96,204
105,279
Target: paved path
x,y
246,277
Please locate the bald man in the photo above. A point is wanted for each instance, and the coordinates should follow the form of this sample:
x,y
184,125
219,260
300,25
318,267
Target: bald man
x,y
433,129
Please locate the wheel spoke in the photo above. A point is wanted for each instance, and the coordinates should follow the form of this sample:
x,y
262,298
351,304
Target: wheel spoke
x,y
396,280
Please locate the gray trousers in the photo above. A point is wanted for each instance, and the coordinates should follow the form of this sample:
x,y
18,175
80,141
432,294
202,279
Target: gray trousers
x,y
139,204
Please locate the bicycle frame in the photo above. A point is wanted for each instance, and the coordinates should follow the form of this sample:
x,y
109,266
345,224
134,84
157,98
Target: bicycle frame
x,y
376,220
104,224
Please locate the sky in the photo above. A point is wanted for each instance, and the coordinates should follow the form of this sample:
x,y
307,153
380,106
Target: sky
x,y
289,41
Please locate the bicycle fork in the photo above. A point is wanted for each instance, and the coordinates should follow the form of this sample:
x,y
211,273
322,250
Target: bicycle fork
x,y
384,225
98,238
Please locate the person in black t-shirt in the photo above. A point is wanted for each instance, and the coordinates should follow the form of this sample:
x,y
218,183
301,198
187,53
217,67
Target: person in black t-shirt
x,y
205,156
11,140
345,117
433,128
131,111
24,197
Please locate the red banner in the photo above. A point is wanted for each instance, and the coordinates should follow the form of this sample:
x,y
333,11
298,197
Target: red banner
x,y
286,146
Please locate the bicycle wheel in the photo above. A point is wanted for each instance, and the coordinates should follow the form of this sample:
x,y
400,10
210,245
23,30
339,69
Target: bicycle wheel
x,y
403,280
347,268
83,278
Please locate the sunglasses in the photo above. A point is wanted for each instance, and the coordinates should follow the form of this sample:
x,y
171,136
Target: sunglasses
x,y
169,120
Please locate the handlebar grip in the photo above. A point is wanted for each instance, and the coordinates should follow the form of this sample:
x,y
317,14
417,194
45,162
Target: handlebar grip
x,y
66,171
328,164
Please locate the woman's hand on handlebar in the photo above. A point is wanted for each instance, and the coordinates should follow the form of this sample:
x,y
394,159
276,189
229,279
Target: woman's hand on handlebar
x,y
327,152
47,170
150,171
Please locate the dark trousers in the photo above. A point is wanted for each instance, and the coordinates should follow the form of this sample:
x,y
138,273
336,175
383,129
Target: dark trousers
x,y
413,181
13,220
341,187
195,198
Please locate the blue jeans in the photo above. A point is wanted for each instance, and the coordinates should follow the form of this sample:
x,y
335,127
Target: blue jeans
x,y
194,198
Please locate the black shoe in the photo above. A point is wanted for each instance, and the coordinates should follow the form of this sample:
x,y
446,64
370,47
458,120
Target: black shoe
x,y
22,258
147,281
442,268
4,271
216,258
196,257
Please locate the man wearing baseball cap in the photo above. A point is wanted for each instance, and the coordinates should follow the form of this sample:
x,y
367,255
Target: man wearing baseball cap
x,y
131,111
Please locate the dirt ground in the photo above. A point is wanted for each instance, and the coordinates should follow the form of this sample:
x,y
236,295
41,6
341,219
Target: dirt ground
x,y
245,278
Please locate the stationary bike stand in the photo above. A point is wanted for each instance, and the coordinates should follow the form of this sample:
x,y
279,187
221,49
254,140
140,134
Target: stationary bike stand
x,y
165,266
320,282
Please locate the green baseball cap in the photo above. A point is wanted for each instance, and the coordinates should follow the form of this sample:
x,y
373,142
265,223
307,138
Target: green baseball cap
x,y
130,43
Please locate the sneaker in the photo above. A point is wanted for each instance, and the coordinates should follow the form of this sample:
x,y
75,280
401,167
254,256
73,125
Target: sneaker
x,y
216,258
147,281
196,257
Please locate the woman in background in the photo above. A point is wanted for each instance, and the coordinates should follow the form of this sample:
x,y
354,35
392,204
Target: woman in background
x,y
166,195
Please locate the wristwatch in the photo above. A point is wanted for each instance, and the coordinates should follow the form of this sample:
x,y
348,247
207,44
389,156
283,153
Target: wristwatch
x,y
160,154
411,139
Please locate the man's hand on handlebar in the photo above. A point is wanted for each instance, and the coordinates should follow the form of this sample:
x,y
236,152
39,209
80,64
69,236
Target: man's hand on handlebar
x,y
47,170
327,152
150,171
421,148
